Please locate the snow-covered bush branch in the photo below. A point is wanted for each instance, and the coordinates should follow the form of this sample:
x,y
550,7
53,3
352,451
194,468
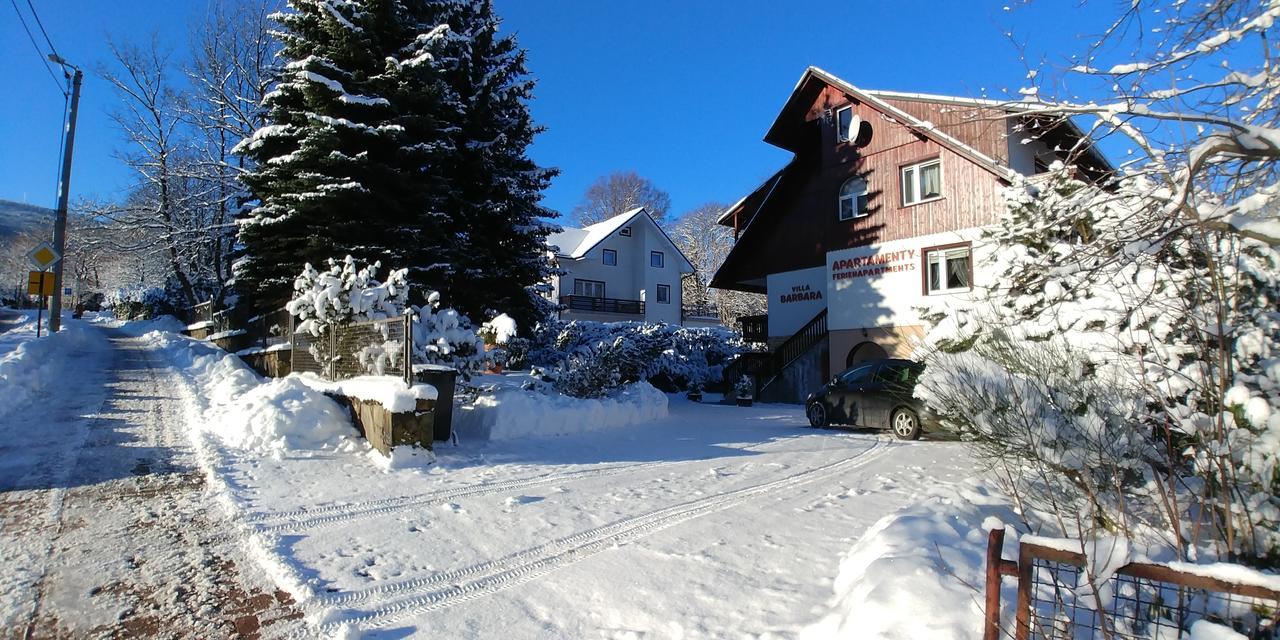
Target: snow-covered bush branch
x,y
1121,369
446,337
592,359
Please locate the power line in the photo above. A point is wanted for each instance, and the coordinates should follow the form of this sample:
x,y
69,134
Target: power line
x,y
40,53
42,31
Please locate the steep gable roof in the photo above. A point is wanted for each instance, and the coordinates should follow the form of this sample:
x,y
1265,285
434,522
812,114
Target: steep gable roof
x,y
575,243
778,134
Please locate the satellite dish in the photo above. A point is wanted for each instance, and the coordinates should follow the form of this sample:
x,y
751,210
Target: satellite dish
x,y
861,136
855,123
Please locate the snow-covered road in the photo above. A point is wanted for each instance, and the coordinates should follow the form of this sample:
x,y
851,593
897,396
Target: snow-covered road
x,y
105,526
714,522
717,521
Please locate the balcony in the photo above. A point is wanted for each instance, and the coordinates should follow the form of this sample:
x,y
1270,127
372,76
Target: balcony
x,y
603,305
700,312
754,328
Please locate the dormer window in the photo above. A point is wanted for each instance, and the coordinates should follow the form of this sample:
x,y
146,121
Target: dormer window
x,y
854,200
844,120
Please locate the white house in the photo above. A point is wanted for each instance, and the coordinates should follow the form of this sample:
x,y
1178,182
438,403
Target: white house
x,y
624,268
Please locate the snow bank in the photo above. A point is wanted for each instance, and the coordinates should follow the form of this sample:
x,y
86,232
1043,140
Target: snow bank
x,y
906,577
245,412
143,327
507,413
37,369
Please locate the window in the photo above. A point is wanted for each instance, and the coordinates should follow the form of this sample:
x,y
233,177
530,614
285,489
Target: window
x,y
656,259
857,375
844,119
664,294
895,373
948,270
921,182
610,258
588,288
853,199
626,231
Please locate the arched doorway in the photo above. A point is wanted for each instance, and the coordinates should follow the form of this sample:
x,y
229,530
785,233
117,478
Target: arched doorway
x,y
864,351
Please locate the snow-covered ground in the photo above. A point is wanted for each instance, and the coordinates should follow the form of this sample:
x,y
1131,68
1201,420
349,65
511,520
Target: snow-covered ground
x,y
206,481
714,521
105,527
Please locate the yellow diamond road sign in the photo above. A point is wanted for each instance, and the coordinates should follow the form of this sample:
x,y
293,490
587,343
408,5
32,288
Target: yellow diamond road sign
x,y
43,256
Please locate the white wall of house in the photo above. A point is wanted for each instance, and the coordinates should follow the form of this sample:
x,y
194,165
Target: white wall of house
x,y
795,297
883,285
1022,157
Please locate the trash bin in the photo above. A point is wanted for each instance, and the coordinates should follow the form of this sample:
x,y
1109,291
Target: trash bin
x,y
443,379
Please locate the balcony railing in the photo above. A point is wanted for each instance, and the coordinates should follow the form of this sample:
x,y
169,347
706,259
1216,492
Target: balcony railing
x,y
700,311
754,328
603,305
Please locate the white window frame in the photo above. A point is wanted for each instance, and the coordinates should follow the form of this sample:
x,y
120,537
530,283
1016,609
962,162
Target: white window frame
x,y
842,132
911,186
604,257
662,259
940,255
664,289
852,196
582,281
626,231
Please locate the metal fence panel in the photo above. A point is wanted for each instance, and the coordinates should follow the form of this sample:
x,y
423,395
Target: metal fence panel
x,y
371,347
1141,600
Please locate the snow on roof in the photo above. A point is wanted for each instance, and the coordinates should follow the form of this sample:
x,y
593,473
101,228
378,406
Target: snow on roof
x,y
724,215
1008,105
575,243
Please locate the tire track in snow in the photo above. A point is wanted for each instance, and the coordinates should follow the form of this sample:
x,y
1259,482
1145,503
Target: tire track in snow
x,y
408,598
339,514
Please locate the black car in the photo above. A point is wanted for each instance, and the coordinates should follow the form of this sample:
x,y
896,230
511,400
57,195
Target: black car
x,y
874,393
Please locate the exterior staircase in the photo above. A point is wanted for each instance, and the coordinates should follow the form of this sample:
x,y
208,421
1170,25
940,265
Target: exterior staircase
x,y
781,375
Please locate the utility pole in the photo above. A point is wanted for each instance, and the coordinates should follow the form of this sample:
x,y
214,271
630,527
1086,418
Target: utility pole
x,y
64,192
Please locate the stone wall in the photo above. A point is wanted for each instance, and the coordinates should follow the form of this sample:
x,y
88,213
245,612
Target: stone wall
x,y
385,429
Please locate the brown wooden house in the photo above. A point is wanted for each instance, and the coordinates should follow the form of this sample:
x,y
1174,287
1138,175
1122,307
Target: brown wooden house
x,y
879,207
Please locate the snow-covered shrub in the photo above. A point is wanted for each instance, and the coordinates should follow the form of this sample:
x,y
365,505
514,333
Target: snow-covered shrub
x,y
744,388
138,302
669,356
498,331
446,337
346,292
1121,370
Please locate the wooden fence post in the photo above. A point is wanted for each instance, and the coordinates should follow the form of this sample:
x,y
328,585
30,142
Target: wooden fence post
x,y
1026,568
995,544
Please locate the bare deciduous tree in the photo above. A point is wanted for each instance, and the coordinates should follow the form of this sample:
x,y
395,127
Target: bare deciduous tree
x,y
706,244
618,193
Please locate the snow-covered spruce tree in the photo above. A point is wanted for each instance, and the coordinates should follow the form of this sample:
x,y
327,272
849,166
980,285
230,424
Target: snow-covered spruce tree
x,y
1120,372
492,189
349,160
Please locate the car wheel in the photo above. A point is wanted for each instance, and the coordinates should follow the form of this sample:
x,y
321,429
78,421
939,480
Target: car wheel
x,y
905,424
817,415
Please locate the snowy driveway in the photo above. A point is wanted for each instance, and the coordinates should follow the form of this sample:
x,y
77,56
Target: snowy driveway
x,y
105,527
717,521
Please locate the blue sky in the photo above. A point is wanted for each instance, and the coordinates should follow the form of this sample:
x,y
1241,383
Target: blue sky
x,y
680,91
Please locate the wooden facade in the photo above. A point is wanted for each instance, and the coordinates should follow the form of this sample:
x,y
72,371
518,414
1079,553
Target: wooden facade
x,y
796,222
